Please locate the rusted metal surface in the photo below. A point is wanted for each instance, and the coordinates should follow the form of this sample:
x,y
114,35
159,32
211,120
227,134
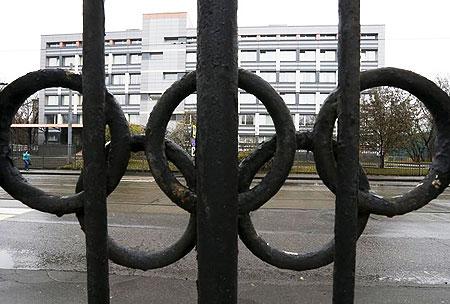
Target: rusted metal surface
x,y
216,151
217,193
93,153
346,216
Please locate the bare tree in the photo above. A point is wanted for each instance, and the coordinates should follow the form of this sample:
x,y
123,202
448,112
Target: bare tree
x,y
183,133
28,113
423,133
386,120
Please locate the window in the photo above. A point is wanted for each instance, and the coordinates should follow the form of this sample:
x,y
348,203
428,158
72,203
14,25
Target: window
x,y
307,120
369,36
248,55
191,57
268,36
328,36
155,55
65,100
136,41
135,78
247,139
307,98
135,58
269,76
70,44
170,76
327,77
267,55
321,98
248,36
134,119
308,36
368,55
288,35
290,55
287,77
175,40
53,44
289,98
69,60
308,55
76,119
120,42
65,118
52,100
52,61
51,118
308,77
327,55
177,117
246,119
120,98
266,120
118,79
134,99
245,98
107,80
53,137
120,59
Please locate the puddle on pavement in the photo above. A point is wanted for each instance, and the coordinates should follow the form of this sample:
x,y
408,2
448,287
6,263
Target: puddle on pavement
x,y
6,260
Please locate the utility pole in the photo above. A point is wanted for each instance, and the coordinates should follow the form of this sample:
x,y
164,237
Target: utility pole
x,y
69,126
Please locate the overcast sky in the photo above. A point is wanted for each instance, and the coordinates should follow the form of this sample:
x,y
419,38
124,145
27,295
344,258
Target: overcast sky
x,y
417,32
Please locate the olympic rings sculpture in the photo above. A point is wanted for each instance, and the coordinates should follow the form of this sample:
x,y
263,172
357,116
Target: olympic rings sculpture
x,y
280,149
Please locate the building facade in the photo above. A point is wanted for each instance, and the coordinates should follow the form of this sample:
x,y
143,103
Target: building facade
x,y
300,62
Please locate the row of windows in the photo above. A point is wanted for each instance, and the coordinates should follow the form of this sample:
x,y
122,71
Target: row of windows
x,y
290,55
288,98
64,100
305,120
121,79
77,118
110,42
330,36
72,60
304,76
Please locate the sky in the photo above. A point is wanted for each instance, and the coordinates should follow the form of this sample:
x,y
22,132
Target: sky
x,y
417,32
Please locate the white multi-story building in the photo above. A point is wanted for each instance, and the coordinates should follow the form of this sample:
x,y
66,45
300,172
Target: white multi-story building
x,y
300,62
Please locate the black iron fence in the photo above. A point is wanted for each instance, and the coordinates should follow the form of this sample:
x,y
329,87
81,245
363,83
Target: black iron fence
x,y
218,194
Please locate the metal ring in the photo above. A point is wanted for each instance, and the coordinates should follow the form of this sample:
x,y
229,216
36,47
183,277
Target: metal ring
x,y
139,259
436,101
249,200
256,244
11,98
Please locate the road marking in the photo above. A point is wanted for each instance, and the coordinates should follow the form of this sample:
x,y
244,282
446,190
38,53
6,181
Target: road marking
x,y
6,213
147,180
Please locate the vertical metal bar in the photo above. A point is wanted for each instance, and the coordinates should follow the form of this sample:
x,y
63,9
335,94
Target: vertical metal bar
x,y
348,147
93,150
217,189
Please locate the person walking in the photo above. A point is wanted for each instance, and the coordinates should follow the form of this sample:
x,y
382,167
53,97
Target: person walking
x,y
26,160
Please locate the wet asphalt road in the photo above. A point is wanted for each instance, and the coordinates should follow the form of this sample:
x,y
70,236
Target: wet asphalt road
x,y
409,250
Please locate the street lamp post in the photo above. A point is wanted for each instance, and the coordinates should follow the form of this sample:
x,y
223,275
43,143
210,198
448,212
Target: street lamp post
x,y
69,125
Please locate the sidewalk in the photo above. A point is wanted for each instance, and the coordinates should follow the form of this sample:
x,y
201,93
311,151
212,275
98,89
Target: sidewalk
x,y
39,287
258,176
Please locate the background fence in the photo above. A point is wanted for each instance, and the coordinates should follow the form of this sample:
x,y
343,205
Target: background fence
x,y
54,156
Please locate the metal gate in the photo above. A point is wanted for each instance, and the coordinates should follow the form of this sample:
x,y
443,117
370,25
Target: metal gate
x,y
218,194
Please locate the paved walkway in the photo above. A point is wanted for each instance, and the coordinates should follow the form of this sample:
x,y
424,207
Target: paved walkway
x,y
291,176
27,286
